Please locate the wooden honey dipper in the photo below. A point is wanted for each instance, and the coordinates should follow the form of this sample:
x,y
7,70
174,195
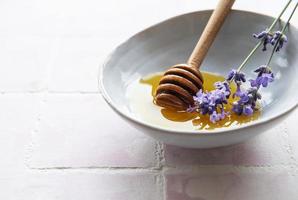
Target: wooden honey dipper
x,y
181,82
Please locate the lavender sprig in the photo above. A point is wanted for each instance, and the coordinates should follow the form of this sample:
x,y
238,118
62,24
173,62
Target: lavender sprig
x,y
213,103
265,76
260,43
266,38
248,99
276,38
279,45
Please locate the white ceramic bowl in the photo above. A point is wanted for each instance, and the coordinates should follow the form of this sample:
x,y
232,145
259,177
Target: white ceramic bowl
x,y
171,42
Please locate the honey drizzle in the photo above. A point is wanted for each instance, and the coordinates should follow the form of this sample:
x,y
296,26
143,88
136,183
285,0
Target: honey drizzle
x,y
199,121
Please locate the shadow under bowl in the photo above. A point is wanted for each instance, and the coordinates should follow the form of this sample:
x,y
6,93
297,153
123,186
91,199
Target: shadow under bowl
x,y
171,42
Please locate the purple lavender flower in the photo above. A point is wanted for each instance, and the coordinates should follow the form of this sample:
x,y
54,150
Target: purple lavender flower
x,y
263,69
224,87
247,102
212,102
243,107
236,76
237,108
244,102
260,35
247,99
214,117
221,93
231,74
238,91
253,95
254,83
280,38
263,80
275,37
264,77
200,97
265,36
223,114
244,98
271,38
280,45
247,110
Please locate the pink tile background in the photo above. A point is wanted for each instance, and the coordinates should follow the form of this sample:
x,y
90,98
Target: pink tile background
x,y
82,131
231,184
265,150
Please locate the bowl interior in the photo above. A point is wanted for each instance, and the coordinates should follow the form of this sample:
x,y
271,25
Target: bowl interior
x,y
171,42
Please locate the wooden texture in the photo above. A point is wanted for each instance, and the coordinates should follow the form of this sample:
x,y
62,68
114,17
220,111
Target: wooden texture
x,y
209,34
181,82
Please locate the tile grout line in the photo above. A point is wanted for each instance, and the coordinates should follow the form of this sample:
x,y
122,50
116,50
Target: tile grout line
x,y
30,147
162,169
161,166
95,168
289,149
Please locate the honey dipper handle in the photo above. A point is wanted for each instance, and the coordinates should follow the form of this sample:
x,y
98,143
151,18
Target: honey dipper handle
x,y
213,26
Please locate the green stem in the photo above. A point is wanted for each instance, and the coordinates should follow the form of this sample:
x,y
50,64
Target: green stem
x,y
259,43
272,53
282,32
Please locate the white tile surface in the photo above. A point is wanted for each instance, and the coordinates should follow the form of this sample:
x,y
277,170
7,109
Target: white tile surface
x,y
91,185
268,149
292,134
24,61
76,63
82,131
18,116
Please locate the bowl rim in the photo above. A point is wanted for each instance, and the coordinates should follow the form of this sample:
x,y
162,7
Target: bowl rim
x,y
133,119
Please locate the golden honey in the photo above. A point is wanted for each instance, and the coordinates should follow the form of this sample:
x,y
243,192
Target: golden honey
x,y
141,94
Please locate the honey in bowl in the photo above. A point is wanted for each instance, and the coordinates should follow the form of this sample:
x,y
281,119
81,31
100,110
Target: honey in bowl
x,y
141,95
